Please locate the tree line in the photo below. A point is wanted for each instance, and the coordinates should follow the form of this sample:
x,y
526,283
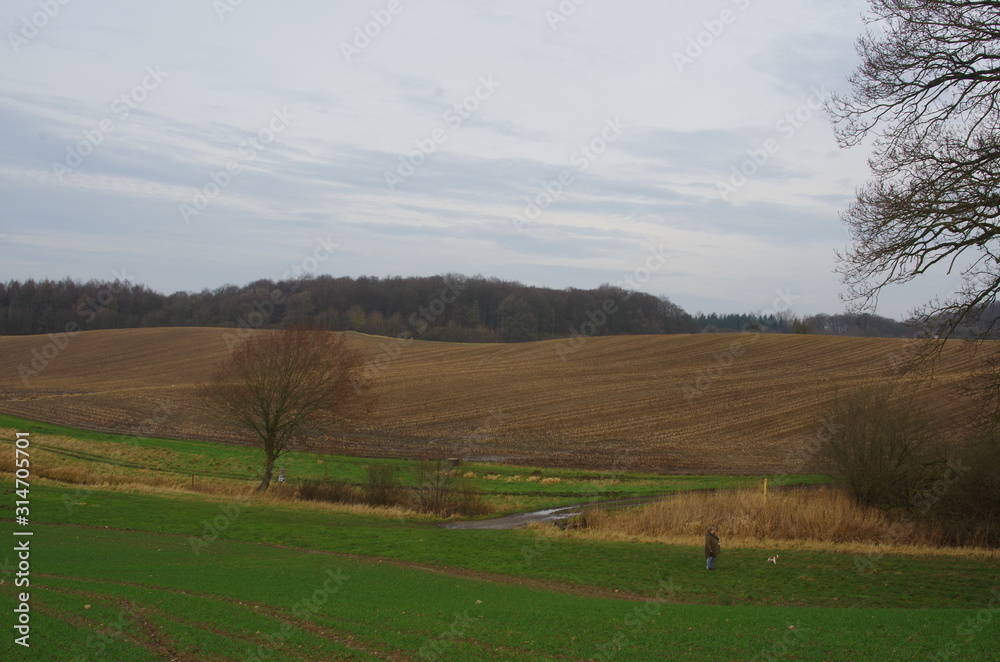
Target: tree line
x,y
844,324
447,307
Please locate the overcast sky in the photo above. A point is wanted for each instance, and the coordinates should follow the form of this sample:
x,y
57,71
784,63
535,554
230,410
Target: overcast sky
x,y
195,143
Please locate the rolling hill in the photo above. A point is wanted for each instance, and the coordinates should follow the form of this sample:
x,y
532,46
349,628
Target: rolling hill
x,y
711,403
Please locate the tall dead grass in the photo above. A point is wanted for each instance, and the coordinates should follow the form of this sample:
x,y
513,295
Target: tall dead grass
x,y
234,490
148,482
821,518
106,476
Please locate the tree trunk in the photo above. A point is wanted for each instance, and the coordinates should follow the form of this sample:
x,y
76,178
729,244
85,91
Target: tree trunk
x,y
265,480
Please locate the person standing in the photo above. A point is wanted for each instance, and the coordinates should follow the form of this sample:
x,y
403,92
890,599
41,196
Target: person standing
x,y
712,548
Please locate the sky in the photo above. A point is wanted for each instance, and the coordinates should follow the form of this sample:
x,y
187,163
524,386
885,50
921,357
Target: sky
x,y
676,148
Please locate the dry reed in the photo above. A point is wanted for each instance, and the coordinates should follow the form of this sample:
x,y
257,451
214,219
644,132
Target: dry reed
x,y
151,482
287,499
822,518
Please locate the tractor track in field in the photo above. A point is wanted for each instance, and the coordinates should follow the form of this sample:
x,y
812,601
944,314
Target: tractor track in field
x,y
156,642
153,640
463,573
550,585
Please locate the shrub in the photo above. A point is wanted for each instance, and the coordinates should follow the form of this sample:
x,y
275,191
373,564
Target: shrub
x,y
890,454
335,490
438,492
882,446
967,496
468,502
381,487
433,487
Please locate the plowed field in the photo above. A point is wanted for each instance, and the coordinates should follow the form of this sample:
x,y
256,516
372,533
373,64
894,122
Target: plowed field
x,y
718,403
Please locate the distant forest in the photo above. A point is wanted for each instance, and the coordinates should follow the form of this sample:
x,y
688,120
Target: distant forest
x,y
845,324
448,308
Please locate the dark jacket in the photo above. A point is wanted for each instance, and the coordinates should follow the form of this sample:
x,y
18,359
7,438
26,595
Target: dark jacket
x,y
712,547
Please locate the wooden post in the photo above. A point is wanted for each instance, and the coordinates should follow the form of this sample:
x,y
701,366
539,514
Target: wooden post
x,y
765,488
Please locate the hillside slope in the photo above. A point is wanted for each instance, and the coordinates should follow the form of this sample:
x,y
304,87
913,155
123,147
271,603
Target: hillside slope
x,y
730,403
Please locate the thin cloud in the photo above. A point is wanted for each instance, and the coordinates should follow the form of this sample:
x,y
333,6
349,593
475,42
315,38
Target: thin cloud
x,y
371,159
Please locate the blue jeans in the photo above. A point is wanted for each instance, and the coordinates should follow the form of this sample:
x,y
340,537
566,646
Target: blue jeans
x,y
710,563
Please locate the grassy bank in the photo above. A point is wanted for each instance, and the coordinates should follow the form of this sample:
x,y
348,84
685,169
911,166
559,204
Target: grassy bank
x,y
77,456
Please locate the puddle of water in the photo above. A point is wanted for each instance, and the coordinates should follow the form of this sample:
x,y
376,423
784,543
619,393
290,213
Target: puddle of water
x,y
521,520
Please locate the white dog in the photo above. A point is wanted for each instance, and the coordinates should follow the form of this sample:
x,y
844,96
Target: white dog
x,y
773,559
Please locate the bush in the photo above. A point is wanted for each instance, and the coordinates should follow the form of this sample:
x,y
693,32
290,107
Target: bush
x,y
967,496
468,502
382,486
438,492
883,446
335,490
889,454
433,490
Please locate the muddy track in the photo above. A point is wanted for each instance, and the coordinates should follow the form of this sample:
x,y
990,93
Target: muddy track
x,y
155,641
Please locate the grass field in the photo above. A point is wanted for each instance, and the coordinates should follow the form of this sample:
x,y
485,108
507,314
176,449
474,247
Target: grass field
x,y
73,455
148,577
126,574
710,403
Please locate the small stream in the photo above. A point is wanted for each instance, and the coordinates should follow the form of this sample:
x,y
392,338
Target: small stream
x,y
521,520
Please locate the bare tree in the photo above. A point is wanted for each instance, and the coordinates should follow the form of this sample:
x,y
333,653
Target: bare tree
x,y
285,386
928,92
883,447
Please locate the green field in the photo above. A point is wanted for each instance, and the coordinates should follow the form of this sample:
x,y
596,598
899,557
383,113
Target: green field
x,y
133,576
190,462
